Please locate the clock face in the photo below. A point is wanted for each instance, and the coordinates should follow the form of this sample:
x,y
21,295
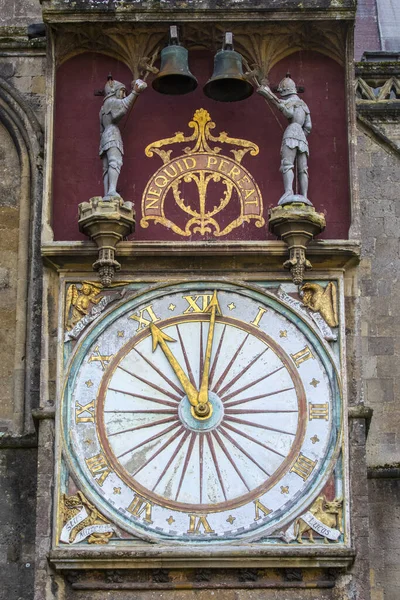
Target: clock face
x,y
198,412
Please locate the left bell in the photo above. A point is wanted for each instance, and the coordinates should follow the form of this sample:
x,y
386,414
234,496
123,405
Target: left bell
x,y
174,76
228,83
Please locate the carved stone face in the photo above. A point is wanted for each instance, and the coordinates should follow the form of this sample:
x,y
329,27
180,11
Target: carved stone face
x,y
121,93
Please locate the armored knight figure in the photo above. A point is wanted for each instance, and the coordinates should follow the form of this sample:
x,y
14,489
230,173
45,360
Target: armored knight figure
x,y
115,106
294,143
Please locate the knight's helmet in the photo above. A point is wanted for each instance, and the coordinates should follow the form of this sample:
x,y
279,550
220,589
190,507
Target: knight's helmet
x,y
287,86
112,86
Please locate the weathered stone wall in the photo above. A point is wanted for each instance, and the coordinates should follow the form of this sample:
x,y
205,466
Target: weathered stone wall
x,y
378,168
17,517
22,102
19,13
384,510
10,182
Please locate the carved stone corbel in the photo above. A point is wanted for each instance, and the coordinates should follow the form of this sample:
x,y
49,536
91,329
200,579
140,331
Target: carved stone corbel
x,y
106,223
296,224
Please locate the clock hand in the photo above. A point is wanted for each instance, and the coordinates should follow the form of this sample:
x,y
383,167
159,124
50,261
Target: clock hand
x,y
161,338
212,308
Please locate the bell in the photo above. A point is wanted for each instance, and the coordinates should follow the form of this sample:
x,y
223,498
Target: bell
x,y
174,76
228,83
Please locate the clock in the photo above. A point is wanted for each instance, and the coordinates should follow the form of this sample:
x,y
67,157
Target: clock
x,y
202,411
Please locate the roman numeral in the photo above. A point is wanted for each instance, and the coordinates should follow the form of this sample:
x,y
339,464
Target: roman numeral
x,y
260,508
98,466
87,411
197,304
318,411
144,321
260,313
302,355
303,467
138,506
198,521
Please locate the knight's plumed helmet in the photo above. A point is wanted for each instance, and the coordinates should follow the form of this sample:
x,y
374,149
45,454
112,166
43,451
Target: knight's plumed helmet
x,y
287,86
112,86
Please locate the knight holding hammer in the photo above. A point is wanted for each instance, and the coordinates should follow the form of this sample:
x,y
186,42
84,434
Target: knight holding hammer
x,y
116,105
294,146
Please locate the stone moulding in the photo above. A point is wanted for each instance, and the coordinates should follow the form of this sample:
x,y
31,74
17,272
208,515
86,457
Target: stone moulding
x,y
148,557
57,10
325,254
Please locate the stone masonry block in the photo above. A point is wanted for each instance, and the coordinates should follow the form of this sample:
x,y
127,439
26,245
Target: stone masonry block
x,y
379,390
380,346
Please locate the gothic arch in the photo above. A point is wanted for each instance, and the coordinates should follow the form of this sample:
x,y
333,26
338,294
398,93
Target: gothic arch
x,y
26,133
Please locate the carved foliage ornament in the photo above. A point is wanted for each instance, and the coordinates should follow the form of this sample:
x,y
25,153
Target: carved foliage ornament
x,y
201,165
262,45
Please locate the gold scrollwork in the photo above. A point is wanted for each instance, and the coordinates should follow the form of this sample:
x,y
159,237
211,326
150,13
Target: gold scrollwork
x,y
201,164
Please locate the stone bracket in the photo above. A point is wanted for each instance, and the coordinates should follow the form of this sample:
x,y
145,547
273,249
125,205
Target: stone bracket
x,y
106,222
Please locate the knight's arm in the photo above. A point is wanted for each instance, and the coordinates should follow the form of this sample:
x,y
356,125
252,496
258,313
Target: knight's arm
x,y
265,92
307,124
125,104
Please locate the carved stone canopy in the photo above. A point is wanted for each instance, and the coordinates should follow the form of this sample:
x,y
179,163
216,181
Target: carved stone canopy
x,y
262,45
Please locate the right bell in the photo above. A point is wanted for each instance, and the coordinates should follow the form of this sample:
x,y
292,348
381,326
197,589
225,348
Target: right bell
x,y
228,83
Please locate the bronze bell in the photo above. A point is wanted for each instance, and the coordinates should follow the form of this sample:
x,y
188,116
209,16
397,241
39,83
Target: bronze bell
x,y
174,76
228,83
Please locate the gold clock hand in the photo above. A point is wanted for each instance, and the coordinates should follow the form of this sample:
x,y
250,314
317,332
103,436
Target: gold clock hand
x,y
161,338
212,308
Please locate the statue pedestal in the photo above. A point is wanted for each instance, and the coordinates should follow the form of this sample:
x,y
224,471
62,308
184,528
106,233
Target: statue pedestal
x,y
106,222
296,224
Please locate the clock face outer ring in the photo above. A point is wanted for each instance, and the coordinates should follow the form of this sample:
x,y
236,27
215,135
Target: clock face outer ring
x,y
95,330
229,504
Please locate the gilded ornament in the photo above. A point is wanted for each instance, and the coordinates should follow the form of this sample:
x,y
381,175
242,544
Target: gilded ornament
x,y
201,164
322,300
81,521
325,512
80,300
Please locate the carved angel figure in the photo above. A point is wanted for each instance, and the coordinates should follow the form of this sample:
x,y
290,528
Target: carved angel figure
x,y
322,300
78,302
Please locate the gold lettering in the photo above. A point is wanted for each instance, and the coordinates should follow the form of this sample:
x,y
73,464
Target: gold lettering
x,y
98,466
197,304
138,506
244,179
303,467
163,179
145,321
150,202
154,192
260,313
247,194
221,163
180,166
174,171
197,521
186,160
211,161
318,411
88,409
234,171
260,507
302,355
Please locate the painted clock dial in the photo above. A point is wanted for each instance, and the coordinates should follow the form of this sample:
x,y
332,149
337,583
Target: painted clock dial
x,y
209,411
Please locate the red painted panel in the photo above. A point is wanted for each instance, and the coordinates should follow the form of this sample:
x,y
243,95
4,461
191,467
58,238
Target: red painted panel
x,y
77,167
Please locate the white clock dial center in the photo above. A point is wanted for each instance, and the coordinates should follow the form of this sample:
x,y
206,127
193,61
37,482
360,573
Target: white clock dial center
x,y
195,424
